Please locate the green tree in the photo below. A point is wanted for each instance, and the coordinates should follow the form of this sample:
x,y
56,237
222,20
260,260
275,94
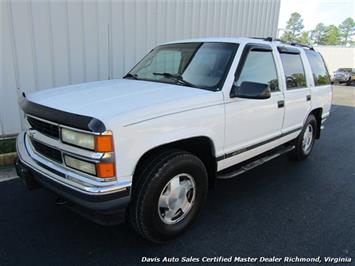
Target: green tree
x,y
346,30
293,28
304,38
317,35
331,35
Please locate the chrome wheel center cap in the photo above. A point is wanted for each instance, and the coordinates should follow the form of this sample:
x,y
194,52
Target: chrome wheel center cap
x,y
176,199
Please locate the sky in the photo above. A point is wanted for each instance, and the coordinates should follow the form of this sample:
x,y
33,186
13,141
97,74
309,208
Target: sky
x,y
316,11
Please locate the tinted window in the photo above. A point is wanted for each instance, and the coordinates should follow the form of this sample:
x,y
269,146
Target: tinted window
x,y
294,71
319,71
259,67
345,69
202,65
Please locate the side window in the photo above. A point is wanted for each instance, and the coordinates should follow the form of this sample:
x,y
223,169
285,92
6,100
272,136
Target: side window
x,y
294,71
319,71
260,67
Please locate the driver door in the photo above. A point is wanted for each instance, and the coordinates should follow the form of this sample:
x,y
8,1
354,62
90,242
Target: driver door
x,y
251,123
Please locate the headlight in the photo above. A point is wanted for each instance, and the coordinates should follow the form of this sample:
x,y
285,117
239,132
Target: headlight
x,y
102,169
99,143
80,165
83,140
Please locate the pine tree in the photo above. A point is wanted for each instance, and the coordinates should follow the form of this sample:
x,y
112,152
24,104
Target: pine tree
x,y
346,30
293,28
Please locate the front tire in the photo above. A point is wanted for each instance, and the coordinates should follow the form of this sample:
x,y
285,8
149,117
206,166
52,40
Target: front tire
x,y
305,141
169,195
348,83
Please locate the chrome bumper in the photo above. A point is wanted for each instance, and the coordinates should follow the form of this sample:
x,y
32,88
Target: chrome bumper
x,y
67,178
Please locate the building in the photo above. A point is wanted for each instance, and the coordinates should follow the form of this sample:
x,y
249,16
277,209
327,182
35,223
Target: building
x,y
53,43
337,56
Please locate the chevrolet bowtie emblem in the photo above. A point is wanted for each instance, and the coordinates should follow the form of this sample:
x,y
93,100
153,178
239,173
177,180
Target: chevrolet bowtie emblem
x,y
31,133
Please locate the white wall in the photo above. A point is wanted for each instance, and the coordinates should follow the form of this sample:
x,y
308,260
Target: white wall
x,y
46,44
337,56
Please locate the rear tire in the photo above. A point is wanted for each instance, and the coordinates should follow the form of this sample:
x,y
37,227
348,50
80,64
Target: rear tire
x,y
305,141
168,196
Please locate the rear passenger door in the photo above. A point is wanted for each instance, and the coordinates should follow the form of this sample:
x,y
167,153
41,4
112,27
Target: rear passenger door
x,y
296,90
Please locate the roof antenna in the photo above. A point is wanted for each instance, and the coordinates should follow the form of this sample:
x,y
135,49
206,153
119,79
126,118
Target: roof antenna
x,y
109,56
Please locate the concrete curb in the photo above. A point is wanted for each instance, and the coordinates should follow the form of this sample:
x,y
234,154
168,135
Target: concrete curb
x,y
7,158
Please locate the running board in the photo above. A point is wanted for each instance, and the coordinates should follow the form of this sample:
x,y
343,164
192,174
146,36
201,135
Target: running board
x,y
253,164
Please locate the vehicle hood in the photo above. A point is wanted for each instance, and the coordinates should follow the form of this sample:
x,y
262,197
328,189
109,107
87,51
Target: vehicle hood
x,y
340,73
125,100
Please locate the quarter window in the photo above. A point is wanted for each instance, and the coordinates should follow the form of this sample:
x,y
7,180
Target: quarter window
x,y
259,67
294,71
319,71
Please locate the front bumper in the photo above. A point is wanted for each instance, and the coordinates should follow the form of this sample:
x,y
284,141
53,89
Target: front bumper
x,y
103,204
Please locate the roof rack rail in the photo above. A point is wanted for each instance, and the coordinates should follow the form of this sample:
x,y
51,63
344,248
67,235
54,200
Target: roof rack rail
x,y
270,39
279,40
302,45
295,44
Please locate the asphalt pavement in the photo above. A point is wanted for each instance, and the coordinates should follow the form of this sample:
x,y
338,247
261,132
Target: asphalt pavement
x,y
282,208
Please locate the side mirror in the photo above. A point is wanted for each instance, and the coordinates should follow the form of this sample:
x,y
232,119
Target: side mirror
x,y
251,90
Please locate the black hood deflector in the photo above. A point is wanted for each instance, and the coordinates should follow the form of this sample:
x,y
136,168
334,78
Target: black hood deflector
x,y
61,117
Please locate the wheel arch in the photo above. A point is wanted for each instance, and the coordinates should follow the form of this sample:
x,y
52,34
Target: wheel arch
x,y
200,146
317,112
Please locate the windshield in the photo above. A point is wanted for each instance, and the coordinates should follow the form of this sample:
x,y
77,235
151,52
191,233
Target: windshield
x,y
344,70
196,64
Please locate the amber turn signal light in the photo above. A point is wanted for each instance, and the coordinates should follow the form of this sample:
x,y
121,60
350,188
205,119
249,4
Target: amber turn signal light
x,y
104,143
105,170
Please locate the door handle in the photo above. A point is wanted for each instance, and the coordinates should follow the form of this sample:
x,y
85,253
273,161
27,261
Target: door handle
x,y
308,98
280,104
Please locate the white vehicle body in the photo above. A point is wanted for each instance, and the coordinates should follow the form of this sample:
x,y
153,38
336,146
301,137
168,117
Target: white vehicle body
x,y
144,115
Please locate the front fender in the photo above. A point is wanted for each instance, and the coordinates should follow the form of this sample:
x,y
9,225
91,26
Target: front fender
x,y
134,140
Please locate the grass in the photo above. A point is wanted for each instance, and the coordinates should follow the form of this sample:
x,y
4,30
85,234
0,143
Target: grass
x,y
7,145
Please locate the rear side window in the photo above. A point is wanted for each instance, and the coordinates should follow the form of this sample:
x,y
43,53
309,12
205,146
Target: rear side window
x,y
319,71
294,71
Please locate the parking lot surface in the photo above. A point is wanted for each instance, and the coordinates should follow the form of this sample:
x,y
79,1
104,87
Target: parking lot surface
x,y
344,95
282,208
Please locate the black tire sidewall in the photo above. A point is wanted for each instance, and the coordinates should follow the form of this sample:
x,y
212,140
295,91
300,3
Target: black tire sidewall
x,y
313,122
151,220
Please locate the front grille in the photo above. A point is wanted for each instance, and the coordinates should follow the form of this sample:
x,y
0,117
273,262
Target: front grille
x,y
48,152
43,127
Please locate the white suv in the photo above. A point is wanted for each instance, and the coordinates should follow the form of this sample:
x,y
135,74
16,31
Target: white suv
x,y
149,146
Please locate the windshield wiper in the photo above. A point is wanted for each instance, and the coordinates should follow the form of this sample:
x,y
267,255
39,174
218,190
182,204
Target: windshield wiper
x,y
178,78
129,75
